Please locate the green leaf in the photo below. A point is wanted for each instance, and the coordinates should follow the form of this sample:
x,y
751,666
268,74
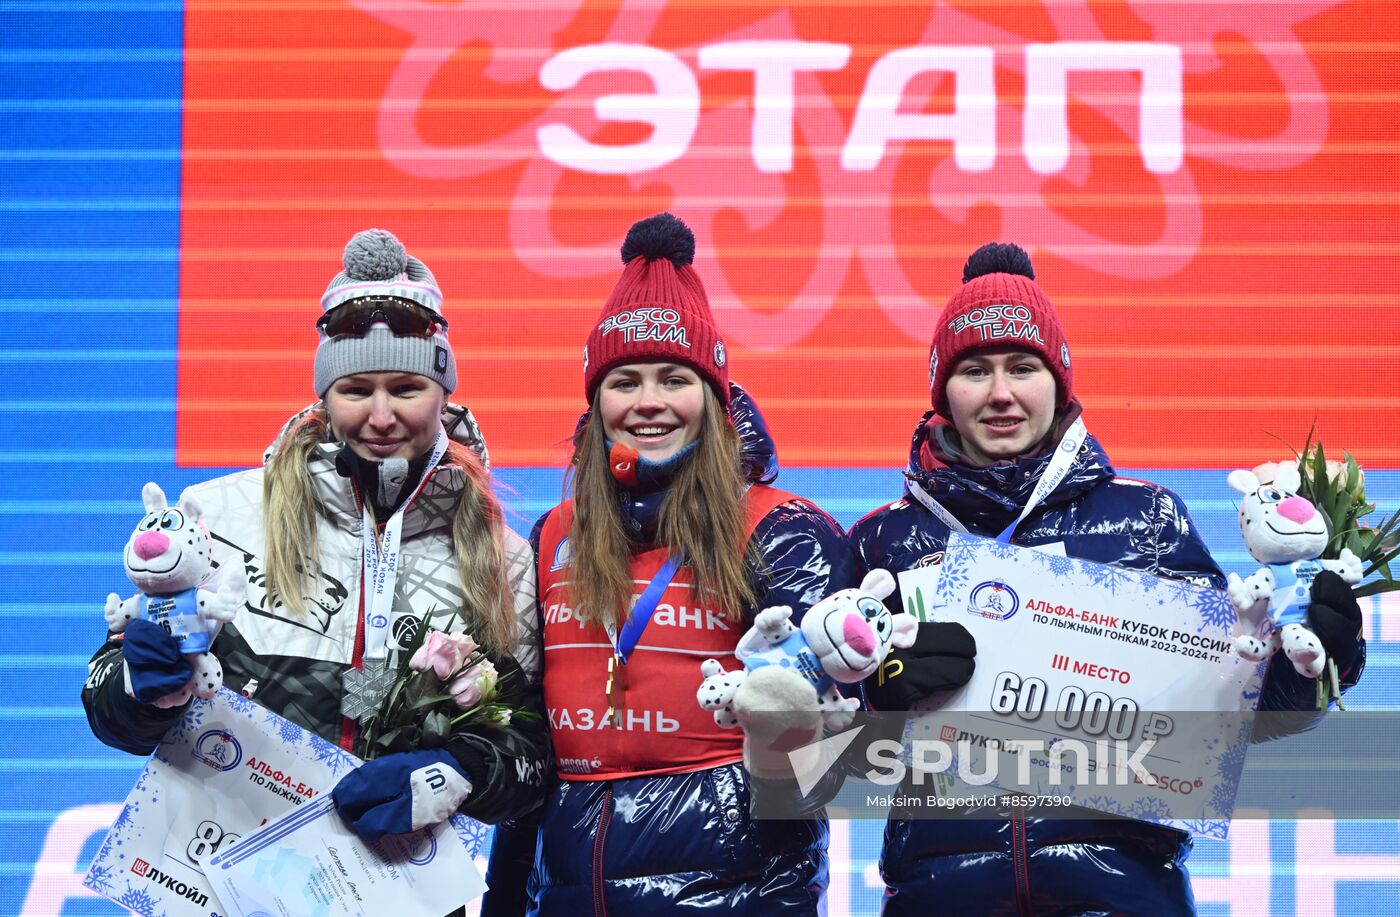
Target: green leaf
x,y
1288,446
385,742
468,715
431,700
1389,528
1380,560
1329,504
386,709
1340,526
436,728
1319,468
1357,542
1375,587
426,684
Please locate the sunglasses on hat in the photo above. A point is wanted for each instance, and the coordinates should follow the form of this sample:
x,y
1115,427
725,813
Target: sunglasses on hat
x,y
404,317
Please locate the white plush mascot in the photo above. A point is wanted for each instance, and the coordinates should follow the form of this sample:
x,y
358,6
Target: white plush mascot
x,y
168,559
1287,533
843,638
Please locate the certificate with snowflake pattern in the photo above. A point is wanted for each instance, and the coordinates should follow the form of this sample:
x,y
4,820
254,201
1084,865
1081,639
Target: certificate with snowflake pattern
x,y
227,767
1092,661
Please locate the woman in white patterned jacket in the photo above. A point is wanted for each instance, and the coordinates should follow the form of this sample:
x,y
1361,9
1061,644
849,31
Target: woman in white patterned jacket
x,y
382,452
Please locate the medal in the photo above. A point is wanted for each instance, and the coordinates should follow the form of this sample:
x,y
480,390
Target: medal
x,y
616,689
365,689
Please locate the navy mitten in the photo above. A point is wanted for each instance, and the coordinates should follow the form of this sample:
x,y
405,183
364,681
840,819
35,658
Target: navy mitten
x,y
155,667
401,792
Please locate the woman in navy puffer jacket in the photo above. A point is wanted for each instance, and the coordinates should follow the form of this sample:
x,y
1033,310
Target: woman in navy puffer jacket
x,y
1003,396
650,814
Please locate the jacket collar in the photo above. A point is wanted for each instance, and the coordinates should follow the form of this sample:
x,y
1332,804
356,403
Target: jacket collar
x,y
758,454
434,507
640,507
986,498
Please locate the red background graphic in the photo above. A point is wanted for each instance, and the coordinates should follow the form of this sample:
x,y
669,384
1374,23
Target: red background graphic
x,y
1243,295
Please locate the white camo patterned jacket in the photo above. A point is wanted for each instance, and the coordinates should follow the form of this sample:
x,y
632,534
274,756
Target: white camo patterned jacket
x,y
294,664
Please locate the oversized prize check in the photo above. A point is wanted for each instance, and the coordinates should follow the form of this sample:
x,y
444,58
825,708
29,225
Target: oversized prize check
x,y
1088,663
230,766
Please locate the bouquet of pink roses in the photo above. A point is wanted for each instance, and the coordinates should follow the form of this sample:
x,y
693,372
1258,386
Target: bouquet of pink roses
x,y
445,681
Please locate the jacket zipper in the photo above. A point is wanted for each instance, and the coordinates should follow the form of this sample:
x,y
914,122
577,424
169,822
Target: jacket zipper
x,y
1020,862
600,905
349,729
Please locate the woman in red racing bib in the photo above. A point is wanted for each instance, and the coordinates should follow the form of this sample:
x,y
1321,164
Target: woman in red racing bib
x,y
671,542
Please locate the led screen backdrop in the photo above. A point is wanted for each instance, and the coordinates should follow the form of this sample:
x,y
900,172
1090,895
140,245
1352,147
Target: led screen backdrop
x,y
1211,194
1203,187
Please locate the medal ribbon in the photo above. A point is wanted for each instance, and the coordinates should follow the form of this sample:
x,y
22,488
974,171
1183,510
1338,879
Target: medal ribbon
x,y
381,564
640,616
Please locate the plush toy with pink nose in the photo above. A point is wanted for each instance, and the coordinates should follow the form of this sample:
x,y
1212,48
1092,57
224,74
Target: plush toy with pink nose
x,y
843,638
1285,532
168,558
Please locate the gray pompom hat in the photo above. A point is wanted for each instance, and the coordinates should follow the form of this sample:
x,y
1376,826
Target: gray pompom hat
x,y
376,264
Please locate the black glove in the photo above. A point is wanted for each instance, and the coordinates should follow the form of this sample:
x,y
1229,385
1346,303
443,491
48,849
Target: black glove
x,y
942,658
154,664
1335,617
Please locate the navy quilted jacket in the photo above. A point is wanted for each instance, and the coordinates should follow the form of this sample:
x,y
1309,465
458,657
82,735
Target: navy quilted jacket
x,y
1006,863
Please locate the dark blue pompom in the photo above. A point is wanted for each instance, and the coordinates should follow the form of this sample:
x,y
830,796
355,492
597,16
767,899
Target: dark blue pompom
x,y
998,258
661,236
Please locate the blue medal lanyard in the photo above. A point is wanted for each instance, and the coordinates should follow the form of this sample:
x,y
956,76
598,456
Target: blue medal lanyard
x,y
640,616
623,644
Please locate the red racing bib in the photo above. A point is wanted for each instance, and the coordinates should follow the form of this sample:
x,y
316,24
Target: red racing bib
x,y
663,729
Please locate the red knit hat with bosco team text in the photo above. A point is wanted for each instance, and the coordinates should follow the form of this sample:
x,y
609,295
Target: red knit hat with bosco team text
x,y
998,305
658,311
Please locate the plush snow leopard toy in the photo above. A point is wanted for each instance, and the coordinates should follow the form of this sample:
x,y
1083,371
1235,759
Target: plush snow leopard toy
x,y
168,559
1285,532
843,638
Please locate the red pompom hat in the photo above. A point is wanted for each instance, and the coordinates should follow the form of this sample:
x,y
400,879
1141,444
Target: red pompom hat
x,y
658,312
999,305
